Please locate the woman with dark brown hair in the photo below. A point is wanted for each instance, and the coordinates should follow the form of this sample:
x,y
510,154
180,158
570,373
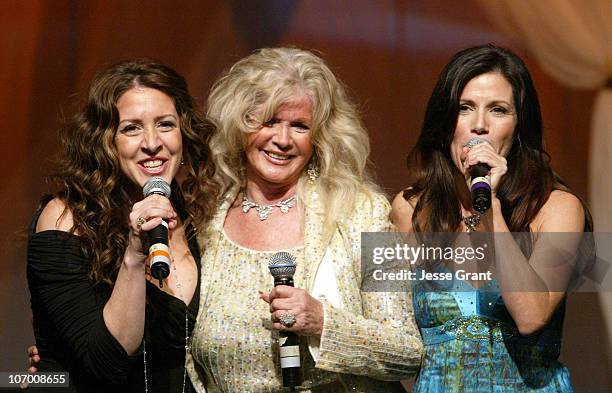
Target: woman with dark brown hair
x,y
97,312
501,334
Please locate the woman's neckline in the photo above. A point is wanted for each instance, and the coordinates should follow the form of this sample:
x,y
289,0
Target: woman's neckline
x,y
252,250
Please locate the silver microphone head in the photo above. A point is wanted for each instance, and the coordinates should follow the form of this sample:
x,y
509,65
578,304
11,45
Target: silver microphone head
x,y
282,265
156,185
475,141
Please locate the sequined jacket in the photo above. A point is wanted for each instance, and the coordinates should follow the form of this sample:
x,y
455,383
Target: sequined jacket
x,y
365,335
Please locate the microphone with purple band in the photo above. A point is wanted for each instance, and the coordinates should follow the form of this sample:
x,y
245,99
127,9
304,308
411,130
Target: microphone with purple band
x,y
480,185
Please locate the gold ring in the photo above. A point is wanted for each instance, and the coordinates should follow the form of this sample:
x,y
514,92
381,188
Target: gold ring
x,y
140,221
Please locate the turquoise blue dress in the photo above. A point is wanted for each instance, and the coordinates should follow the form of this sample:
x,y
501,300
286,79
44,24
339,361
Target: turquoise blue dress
x,y
472,344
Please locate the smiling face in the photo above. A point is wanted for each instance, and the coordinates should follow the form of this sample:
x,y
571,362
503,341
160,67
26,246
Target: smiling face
x,y
148,138
486,111
277,153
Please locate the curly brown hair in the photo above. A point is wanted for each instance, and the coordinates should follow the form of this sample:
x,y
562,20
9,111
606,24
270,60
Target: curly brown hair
x,y
92,184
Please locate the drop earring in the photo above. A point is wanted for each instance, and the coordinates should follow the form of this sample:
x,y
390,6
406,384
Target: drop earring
x,y
313,172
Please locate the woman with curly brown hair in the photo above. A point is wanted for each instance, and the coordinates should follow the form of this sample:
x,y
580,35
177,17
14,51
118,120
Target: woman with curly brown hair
x,y
97,312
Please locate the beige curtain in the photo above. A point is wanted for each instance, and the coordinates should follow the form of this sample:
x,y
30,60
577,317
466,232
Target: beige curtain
x,y
572,42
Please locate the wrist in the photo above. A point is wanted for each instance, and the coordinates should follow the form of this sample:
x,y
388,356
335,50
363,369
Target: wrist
x,y
133,260
495,205
495,202
499,223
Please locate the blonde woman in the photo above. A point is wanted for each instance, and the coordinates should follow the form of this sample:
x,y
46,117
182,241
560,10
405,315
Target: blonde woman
x,y
291,154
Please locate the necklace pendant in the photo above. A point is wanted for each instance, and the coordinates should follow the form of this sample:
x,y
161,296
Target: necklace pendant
x,y
263,212
247,205
285,205
471,222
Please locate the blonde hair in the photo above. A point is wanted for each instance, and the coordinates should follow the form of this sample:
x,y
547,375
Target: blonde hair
x,y
249,94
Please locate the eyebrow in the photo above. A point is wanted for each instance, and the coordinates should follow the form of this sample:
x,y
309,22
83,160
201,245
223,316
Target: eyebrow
x,y
494,102
304,121
294,121
157,118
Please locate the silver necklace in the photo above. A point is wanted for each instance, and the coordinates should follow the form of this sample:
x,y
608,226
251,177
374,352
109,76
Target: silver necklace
x,y
144,341
471,222
264,211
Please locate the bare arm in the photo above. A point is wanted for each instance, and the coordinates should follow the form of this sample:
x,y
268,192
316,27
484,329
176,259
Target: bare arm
x,y
124,311
549,267
558,229
401,213
531,288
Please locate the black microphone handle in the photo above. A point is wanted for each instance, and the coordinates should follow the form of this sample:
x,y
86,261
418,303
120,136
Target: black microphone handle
x,y
289,347
479,170
159,252
159,234
480,187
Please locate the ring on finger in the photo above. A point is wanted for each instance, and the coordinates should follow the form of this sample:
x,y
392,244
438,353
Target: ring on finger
x,y
287,319
140,221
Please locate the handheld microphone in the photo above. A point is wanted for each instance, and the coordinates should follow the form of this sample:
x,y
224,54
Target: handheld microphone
x,y
480,185
282,267
159,252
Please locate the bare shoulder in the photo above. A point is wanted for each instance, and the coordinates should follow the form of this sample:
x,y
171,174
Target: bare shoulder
x,y
55,216
562,212
401,205
401,212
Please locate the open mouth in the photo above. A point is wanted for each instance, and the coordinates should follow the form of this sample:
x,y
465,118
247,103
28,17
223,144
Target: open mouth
x,y
278,156
153,166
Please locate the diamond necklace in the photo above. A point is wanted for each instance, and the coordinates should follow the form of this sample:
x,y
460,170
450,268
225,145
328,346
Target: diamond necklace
x,y
471,222
263,211
144,341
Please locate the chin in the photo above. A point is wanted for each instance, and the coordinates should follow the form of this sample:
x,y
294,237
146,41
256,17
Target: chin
x,y
275,180
279,180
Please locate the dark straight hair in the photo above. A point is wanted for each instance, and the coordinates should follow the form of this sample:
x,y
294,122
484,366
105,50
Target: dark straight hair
x,y
440,186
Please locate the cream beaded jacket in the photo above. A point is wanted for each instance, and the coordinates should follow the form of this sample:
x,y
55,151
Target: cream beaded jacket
x,y
366,335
